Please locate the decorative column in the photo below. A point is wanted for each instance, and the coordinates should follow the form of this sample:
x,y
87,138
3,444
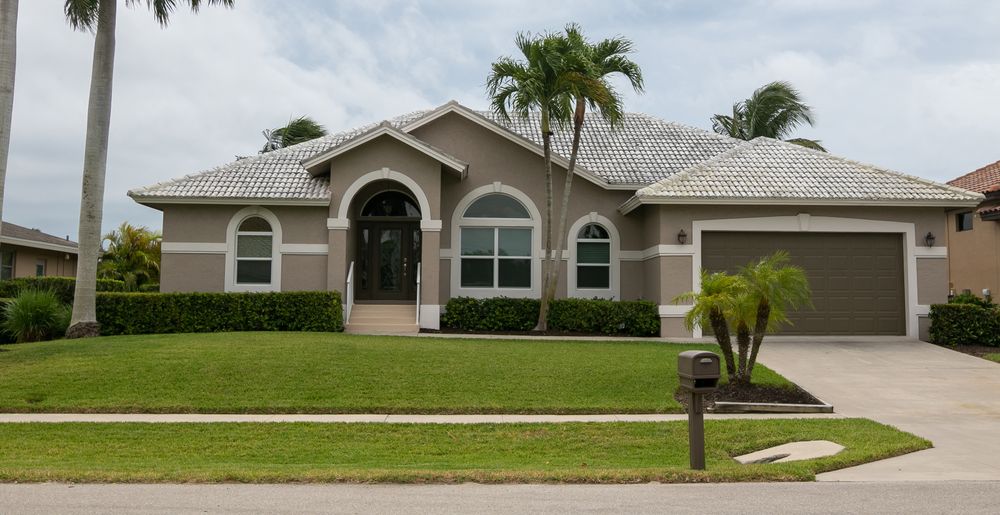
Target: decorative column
x,y
336,271
430,265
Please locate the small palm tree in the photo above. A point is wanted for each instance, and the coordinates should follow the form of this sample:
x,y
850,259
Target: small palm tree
x,y
299,130
710,308
100,17
774,110
132,256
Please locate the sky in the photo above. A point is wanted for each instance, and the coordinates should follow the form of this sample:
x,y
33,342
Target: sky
x,y
910,85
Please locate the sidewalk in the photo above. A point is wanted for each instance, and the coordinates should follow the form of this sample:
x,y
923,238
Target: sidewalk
x,y
370,418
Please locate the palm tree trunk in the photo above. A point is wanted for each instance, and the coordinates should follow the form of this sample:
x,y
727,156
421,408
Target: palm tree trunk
x,y
581,107
543,311
743,345
8,62
95,159
759,329
721,330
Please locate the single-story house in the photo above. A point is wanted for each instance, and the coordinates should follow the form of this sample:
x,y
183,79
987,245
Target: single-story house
x,y
974,234
448,202
28,252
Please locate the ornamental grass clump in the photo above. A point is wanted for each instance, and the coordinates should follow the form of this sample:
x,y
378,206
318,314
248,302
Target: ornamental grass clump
x,y
35,315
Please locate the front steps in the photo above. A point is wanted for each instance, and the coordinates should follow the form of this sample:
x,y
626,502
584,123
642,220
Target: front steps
x,y
383,319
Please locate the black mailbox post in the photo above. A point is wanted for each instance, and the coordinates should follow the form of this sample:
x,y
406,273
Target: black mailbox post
x,y
699,373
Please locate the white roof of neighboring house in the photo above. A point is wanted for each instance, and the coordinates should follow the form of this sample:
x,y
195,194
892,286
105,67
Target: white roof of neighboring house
x,y
772,171
12,234
663,160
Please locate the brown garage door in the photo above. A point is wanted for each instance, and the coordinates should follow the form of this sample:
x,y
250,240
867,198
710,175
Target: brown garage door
x,y
856,279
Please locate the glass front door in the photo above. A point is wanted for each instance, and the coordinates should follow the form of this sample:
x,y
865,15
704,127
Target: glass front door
x,y
389,253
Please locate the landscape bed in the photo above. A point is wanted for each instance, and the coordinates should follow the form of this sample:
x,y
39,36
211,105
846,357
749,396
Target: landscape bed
x,y
272,372
428,453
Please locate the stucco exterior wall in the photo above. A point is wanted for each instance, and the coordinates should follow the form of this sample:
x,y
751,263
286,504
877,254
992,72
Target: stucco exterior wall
x,y
59,264
974,255
192,272
303,272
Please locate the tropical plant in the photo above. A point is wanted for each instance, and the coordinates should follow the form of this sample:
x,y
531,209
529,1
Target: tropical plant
x,y
132,256
100,16
774,110
299,130
752,303
8,62
35,315
560,75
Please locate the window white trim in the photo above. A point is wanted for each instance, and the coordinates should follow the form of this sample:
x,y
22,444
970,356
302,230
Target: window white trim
x,y
378,175
458,221
804,222
614,283
234,224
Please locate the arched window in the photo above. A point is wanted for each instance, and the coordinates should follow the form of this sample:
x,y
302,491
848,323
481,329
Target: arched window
x,y
496,244
391,203
593,258
254,251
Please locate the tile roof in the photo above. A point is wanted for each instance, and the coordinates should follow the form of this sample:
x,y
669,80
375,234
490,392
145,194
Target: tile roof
x,y
982,180
768,169
9,230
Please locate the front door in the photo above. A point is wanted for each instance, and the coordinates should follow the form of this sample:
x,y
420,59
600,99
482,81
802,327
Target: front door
x,y
389,252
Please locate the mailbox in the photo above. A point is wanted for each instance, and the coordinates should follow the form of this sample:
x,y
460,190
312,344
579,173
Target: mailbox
x,y
698,371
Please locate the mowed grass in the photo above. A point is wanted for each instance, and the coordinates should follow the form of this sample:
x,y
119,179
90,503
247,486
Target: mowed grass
x,y
340,373
993,357
311,452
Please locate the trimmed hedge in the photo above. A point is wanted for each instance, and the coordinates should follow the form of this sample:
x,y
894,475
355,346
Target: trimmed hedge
x,y
63,287
595,316
155,313
965,324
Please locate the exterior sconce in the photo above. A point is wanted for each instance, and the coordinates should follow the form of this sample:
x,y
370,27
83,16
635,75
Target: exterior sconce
x,y
682,237
929,239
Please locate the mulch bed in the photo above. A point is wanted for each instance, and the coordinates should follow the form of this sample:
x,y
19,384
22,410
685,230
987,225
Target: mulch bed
x,y
753,393
528,333
974,350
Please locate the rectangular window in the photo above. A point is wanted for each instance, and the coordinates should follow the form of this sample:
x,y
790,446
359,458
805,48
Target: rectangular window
x,y
253,259
40,268
593,265
6,265
495,257
963,221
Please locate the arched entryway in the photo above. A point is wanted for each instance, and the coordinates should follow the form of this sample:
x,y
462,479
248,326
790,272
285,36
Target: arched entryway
x,y
388,242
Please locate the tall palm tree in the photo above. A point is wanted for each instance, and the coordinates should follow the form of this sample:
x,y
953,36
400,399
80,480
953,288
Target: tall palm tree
x,y
100,16
8,62
299,130
774,110
536,83
591,65
132,256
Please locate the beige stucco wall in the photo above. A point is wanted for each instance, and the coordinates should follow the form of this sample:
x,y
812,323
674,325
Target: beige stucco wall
x,y
303,272
60,264
974,255
192,272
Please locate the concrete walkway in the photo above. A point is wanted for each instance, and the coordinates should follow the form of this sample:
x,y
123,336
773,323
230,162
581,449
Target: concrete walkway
x,y
947,397
369,418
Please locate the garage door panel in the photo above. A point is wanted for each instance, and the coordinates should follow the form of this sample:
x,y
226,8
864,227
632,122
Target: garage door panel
x,y
856,279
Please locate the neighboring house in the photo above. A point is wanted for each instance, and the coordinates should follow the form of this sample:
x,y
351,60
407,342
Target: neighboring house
x,y
461,195
29,252
974,234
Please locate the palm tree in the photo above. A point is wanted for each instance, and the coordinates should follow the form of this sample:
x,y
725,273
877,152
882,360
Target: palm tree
x,y
774,110
100,16
298,130
710,308
8,62
537,83
590,65
132,256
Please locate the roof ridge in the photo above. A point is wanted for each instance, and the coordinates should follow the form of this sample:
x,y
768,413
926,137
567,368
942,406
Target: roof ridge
x,y
700,166
976,171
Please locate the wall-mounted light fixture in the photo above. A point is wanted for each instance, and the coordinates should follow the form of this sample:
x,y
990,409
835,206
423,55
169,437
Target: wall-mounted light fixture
x,y
929,239
682,237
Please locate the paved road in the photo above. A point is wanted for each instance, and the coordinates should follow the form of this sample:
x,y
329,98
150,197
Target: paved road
x,y
942,497
947,397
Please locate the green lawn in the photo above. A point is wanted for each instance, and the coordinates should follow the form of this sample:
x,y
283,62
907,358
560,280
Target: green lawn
x,y
993,357
340,373
293,452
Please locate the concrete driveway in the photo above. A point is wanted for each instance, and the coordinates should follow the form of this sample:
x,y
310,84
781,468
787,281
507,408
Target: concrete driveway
x,y
947,397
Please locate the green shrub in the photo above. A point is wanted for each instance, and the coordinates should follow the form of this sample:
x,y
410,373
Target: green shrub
x,y
153,313
62,287
971,298
150,288
5,337
35,315
595,316
965,324
632,318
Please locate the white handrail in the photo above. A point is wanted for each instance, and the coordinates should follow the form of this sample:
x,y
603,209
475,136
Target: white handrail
x,y
418,293
349,294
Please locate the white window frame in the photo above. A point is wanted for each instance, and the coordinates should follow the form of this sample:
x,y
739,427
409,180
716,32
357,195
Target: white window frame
x,y
613,291
534,223
232,234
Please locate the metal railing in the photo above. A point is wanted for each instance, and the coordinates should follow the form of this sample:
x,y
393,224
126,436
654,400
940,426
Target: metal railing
x,y
349,294
418,293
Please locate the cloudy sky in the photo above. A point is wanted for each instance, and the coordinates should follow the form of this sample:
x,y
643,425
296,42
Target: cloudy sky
x,y
910,85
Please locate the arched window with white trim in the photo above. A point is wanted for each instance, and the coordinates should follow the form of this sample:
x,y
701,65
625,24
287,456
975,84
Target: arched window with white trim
x,y
254,245
496,244
594,262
